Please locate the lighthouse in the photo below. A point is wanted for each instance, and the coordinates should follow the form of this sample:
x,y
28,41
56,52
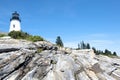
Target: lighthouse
x,y
15,22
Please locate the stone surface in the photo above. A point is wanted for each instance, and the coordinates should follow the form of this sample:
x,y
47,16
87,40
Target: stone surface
x,y
20,60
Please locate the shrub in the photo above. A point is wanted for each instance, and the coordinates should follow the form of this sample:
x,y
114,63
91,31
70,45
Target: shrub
x,y
35,38
39,50
2,35
53,62
114,53
24,35
18,34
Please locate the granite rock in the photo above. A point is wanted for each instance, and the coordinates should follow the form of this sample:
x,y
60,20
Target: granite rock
x,y
19,60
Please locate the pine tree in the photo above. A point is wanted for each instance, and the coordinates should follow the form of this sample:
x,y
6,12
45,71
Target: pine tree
x,y
83,46
88,46
114,53
78,46
94,49
107,52
59,41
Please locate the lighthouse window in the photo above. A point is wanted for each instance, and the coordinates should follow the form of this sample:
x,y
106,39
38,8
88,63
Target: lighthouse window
x,y
13,26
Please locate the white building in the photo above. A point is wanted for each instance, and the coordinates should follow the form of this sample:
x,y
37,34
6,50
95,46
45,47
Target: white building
x,y
15,22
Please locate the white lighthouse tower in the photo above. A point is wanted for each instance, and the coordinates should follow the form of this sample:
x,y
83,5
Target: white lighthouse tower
x,y
15,22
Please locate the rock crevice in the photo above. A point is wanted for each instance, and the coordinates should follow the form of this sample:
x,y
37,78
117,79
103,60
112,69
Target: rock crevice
x,y
21,60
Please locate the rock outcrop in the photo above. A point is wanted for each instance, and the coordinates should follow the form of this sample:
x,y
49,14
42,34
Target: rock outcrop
x,y
21,60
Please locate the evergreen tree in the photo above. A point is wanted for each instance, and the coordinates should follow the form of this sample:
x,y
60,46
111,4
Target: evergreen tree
x,y
83,45
114,53
78,46
88,46
107,52
94,49
59,41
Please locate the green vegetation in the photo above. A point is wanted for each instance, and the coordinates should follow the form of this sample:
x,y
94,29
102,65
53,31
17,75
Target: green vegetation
x,y
53,62
83,45
114,53
18,35
106,52
2,35
59,42
39,50
24,35
34,38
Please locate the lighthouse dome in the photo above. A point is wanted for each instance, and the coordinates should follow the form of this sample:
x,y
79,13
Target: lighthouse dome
x,y
15,16
15,22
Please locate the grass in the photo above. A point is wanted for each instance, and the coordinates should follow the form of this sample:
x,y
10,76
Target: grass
x,y
2,35
39,50
24,35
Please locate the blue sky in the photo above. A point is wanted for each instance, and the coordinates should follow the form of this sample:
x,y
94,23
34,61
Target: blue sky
x,y
94,21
